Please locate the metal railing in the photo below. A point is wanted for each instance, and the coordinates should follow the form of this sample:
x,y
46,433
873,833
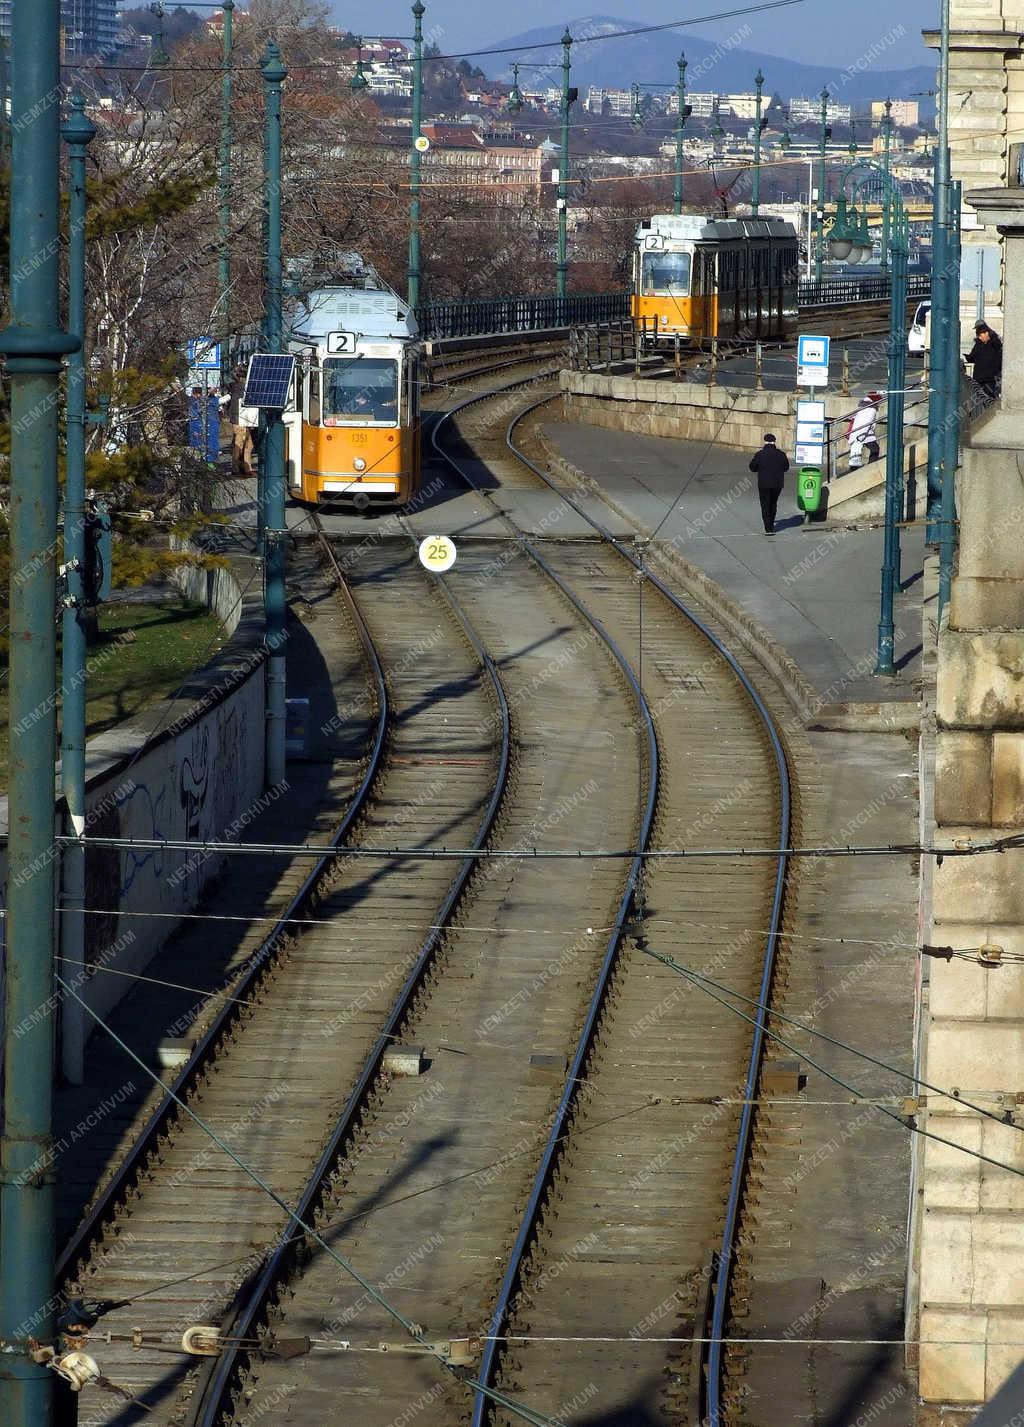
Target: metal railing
x,y
519,314
835,291
499,315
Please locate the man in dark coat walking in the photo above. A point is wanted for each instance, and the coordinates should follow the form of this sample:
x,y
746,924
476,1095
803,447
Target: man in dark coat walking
x,y
770,466
987,356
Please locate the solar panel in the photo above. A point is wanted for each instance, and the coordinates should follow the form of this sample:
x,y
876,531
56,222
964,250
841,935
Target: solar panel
x,y
270,376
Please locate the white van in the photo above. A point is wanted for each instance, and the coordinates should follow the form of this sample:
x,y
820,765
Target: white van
x,y
920,334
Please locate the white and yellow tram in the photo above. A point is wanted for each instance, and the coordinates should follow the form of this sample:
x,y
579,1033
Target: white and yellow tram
x,y
353,420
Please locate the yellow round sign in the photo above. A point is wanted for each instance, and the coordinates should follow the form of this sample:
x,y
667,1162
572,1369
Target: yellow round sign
x,y
437,553
422,144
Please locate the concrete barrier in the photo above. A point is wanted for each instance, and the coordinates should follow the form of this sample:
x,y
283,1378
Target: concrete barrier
x,y
191,767
686,411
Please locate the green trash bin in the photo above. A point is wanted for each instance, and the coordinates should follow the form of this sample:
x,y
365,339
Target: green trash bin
x,y
808,490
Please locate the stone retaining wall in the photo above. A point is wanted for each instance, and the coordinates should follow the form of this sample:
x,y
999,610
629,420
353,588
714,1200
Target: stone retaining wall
x,y
191,767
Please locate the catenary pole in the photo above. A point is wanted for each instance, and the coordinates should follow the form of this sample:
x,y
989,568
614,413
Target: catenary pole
x,y
78,133
819,256
562,278
953,385
274,75
224,186
885,661
677,197
33,344
755,201
887,166
415,158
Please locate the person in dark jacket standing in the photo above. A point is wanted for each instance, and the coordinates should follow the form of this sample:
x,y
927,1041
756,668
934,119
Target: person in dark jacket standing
x,y
770,466
987,356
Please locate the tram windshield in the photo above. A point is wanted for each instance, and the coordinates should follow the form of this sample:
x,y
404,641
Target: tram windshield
x,y
666,275
359,389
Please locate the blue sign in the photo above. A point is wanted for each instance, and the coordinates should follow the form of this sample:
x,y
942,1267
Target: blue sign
x,y
204,354
812,356
204,426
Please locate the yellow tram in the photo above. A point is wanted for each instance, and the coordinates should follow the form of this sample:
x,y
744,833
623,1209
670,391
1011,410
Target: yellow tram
x,y
353,420
698,278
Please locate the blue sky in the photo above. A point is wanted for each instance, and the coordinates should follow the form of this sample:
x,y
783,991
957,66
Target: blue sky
x,y
833,32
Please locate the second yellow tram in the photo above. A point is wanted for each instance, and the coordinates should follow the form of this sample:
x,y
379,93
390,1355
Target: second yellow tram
x,y
696,278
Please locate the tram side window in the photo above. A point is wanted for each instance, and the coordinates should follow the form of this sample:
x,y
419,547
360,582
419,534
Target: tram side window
x,y
666,275
360,389
313,415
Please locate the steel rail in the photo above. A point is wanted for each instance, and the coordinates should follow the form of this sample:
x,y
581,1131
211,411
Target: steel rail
x,y
574,1079
723,1276
212,1397
711,1352
188,1078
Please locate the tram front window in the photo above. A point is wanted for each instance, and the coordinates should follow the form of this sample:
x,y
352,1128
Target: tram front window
x,y
359,389
666,275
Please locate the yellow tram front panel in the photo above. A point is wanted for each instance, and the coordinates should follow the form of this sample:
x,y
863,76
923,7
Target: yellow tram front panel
x,y
667,317
349,460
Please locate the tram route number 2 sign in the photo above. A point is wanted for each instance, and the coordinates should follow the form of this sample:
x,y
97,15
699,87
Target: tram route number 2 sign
x,y
437,553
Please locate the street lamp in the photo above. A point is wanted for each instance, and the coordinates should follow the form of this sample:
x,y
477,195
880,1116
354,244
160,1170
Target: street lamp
x,y
515,99
759,123
638,113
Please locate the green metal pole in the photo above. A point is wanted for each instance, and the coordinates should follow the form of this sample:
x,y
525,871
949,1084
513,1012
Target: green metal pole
x,y
886,165
33,344
894,455
677,203
415,160
224,182
562,282
953,386
819,257
755,203
77,133
938,351
274,75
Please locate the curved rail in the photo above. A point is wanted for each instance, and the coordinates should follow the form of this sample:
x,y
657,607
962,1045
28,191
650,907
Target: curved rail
x,y
211,1400
726,1249
712,1357
192,1072
574,1080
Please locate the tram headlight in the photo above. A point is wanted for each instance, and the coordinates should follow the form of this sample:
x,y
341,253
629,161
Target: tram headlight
x,y
359,464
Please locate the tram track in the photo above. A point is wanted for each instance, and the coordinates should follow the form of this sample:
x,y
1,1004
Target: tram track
x,y
407,1201
672,1201
298,1051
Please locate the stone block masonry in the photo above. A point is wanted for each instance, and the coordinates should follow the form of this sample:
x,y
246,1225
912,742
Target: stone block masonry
x,y
969,1221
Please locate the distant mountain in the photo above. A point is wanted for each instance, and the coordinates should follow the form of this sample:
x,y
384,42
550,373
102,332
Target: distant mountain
x,y
651,59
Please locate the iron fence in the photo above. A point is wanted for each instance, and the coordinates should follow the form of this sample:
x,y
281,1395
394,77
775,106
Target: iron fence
x,y
519,314
836,291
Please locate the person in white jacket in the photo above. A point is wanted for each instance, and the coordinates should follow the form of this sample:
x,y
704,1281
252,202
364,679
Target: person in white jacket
x,y
862,433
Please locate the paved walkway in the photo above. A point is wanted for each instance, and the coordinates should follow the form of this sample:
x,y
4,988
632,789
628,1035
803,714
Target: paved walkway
x,y
815,590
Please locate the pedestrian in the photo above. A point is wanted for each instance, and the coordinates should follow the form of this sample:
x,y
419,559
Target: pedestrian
x,y
862,433
770,466
987,356
241,435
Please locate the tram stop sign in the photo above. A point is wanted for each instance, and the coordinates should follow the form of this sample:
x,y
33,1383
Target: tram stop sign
x,y
437,553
